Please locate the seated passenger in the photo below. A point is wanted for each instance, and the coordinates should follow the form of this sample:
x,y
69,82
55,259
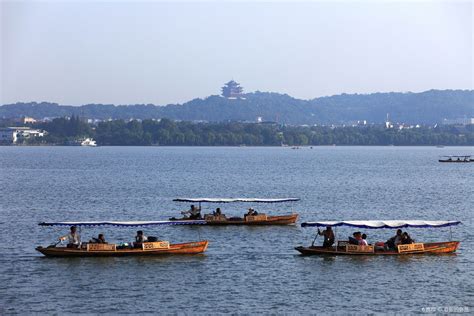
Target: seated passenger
x,y
406,239
363,240
354,240
99,240
218,212
328,236
73,238
249,212
393,242
140,237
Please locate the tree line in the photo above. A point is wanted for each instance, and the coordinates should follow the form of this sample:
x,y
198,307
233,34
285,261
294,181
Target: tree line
x,y
171,133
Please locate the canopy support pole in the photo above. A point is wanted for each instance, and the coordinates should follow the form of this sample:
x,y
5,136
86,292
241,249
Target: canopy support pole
x,y
335,237
315,237
450,234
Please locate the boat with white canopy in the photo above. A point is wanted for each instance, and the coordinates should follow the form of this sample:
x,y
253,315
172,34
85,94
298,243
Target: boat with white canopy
x,y
145,248
344,247
251,218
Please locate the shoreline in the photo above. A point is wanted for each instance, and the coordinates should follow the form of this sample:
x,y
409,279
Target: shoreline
x,y
294,147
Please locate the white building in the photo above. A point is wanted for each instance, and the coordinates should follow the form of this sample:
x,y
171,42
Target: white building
x,y
27,120
13,135
388,124
459,121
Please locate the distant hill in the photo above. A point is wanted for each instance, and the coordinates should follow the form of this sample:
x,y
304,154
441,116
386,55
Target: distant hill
x,y
427,107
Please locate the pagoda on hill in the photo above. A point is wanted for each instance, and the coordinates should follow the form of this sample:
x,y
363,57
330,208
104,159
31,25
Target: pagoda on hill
x,y
232,90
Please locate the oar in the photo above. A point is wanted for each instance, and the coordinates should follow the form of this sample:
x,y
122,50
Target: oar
x,y
316,237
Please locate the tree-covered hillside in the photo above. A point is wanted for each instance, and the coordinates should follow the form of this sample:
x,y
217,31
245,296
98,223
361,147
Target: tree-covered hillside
x,y
428,107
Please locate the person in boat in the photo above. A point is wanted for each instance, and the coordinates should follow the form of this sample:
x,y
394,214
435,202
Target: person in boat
x,y
218,212
194,213
356,237
328,236
396,240
251,212
99,240
140,237
73,238
363,240
406,239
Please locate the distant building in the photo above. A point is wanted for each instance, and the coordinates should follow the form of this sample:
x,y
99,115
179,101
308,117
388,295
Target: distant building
x,y
388,124
357,123
14,135
459,121
27,120
232,90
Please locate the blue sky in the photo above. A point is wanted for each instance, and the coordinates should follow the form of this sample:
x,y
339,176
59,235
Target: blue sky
x,y
169,52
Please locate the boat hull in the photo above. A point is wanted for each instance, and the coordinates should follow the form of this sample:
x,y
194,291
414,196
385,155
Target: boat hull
x,y
174,249
270,220
456,161
429,248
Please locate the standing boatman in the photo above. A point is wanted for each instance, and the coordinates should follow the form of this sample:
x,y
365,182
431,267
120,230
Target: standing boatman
x,y
328,236
73,238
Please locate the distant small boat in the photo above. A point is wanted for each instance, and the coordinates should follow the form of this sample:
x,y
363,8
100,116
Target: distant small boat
x,y
88,142
456,159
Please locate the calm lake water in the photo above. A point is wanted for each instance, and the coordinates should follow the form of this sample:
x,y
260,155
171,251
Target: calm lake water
x,y
246,269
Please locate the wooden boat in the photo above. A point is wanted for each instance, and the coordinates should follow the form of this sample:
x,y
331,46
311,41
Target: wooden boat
x,y
456,159
112,250
343,248
152,248
260,219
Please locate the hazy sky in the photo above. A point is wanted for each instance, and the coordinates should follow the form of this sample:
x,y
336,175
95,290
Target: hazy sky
x,y
163,52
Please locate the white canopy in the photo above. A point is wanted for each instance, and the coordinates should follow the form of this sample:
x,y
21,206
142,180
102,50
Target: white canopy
x,y
230,200
382,224
124,224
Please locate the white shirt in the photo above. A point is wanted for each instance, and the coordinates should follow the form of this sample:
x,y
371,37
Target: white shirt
x,y
144,238
74,238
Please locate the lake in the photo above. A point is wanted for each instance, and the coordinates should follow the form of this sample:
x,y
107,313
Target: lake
x,y
246,269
